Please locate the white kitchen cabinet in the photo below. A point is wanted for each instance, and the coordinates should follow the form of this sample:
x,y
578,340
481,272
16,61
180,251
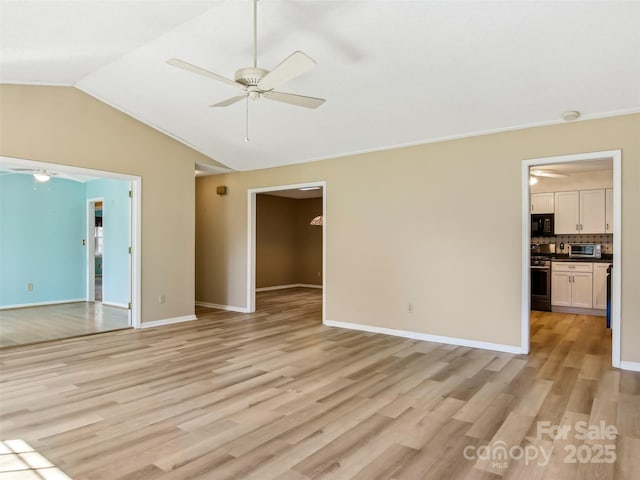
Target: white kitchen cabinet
x,y
592,211
600,285
567,213
608,217
580,212
572,284
542,202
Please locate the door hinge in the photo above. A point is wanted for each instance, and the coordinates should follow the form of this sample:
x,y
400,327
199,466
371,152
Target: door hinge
x,y
130,250
129,306
130,194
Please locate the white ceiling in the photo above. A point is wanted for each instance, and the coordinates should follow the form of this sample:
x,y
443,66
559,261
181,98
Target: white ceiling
x,y
393,72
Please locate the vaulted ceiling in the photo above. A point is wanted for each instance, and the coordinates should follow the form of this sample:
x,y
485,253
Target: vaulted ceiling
x,y
393,72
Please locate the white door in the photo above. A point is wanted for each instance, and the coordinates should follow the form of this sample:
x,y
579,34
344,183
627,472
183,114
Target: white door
x,y
592,211
582,290
561,289
609,211
567,216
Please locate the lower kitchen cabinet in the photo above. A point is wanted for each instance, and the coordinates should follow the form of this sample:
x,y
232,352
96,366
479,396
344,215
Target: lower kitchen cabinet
x,y
572,284
600,285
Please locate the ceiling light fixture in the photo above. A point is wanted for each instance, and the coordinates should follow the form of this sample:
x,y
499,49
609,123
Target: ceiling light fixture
x,y
533,180
41,176
319,220
570,115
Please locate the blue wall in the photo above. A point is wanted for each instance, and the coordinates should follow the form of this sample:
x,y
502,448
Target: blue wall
x,y
41,231
115,224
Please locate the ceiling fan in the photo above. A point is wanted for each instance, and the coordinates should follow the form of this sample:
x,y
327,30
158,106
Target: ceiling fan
x,y
257,82
41,175
547,173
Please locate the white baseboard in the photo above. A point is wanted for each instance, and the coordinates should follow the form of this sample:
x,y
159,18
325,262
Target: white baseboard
x,y
282,287
168,321
633,366
229,308
113,304
596,312
43,304
426,337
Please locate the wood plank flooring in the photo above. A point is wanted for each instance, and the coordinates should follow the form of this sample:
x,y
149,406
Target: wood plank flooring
x,y
276,395
20,326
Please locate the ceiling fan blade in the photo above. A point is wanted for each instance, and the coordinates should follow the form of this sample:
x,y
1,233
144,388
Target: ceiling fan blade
x,y
229,101
543,173
201,71
298,100
295,64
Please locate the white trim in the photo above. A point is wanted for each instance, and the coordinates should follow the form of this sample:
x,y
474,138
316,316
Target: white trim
x,y
292,285
168,321
39,84
446,138
119,305
251,239
228,308
43,304
633,366
616,282
426,337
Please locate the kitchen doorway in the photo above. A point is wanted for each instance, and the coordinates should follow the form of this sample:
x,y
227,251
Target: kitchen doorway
x,y
300,191
528,259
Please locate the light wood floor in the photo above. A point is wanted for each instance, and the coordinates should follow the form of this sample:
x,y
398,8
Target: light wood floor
x,y
19,326
276,395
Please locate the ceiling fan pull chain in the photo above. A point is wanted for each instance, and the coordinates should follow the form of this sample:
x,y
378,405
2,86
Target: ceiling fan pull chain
x,y
246,138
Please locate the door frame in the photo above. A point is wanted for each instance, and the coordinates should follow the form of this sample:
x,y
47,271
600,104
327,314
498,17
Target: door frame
x,y
616,280
251,239
91,247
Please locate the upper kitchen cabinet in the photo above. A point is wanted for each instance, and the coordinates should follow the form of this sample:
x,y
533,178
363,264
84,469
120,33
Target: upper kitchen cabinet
x,y
608,217
580,212
567,213
592,211
542,202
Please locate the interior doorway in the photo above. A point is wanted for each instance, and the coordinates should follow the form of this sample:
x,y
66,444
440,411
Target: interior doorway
x,y
95,248
59,223
315,224
614,247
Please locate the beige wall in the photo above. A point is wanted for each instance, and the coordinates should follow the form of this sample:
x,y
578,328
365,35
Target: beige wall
x,y
276,241
437,225
309,238
65,126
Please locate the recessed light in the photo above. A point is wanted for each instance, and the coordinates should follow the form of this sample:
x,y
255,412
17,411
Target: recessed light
x,y
570,115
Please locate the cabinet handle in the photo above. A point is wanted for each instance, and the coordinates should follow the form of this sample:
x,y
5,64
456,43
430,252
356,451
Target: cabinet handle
x,y
607,227
577,227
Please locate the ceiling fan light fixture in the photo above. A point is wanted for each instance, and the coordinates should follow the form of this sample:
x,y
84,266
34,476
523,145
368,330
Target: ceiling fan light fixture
x,y
319,220
570,115
41,177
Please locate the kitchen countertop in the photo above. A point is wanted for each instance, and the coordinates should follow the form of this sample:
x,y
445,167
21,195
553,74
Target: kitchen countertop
x,y
606,258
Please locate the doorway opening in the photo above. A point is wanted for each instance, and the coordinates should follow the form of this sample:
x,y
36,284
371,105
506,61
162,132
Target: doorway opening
x,y
59,243
286,225
571,235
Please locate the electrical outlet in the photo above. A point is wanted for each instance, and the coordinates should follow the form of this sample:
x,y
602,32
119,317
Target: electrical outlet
x,y
410,308
162,299
29,287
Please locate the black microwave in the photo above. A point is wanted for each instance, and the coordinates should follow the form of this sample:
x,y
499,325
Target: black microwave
x,y
542,225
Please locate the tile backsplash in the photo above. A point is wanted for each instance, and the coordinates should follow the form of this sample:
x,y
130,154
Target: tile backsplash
x,y
605,239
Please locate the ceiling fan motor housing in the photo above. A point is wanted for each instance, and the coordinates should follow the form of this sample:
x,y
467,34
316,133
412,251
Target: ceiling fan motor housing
x,y
250,76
